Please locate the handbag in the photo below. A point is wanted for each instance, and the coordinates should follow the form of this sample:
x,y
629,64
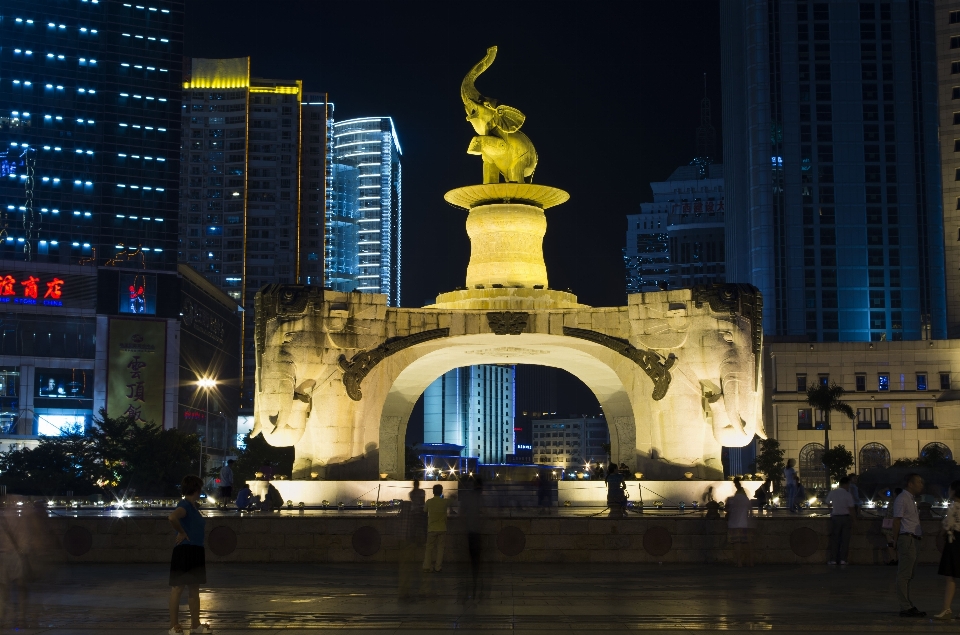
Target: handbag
x,y
887,523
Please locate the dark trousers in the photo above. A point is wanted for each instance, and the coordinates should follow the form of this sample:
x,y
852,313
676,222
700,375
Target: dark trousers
x,y
839,538
475,545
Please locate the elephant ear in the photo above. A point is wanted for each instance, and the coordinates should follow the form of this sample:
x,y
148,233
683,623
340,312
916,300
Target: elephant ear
x,y
509,119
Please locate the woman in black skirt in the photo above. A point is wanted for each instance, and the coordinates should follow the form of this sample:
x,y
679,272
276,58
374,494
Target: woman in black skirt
x,y
187,566
950,558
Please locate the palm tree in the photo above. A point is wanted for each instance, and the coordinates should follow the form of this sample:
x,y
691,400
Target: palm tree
x,y
825,398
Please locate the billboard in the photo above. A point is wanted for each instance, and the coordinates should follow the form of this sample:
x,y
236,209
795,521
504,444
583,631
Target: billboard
x,y
136,368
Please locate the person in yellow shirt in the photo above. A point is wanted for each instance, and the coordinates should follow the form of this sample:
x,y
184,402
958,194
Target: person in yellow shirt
x,y
436,528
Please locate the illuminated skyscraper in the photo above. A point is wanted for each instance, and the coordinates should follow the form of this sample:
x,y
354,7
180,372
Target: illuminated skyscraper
x,y
242,221
472,406
363,225
90,131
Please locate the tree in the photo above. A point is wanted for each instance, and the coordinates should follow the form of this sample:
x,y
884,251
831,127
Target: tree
x,y
414,465
255,453
827,398
57,466
770,461
837,460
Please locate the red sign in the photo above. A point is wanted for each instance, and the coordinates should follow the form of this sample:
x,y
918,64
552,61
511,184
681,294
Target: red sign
x,y
31,288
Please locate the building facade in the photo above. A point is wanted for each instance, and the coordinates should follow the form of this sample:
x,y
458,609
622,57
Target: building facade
x,y
570,443
90,132
473,407
832,166
364,220
906,396
677,241
241,216
947,19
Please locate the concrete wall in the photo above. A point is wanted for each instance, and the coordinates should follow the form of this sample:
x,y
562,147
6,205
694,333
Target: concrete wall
x,y
344,538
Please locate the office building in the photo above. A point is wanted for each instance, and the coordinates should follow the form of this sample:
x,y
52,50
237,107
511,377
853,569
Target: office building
x,y
90,132
241,216
473,407
676,241
947,19
832,166
363,223
134,342
316,184
571,443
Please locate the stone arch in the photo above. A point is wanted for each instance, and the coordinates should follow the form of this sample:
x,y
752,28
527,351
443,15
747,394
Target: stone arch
x,y
609,376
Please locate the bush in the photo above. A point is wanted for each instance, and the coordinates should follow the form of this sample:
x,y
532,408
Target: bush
x,y
770,461
837,460
252,457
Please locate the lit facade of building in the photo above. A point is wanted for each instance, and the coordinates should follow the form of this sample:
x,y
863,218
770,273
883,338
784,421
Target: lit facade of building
x,y
241,216
316,183
90,132
677,240
473,407
363,223
832,166
570,443
948,69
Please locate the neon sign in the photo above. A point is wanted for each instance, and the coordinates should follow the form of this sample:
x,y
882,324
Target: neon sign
x,y
31,291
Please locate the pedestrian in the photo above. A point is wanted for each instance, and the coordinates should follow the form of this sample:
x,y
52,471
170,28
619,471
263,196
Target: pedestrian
x,y
436,529
950,558
616,492
187,564
246,499
842,510
226,483
738,510
790,479
471,506
886,528
855,494
801,494
762,496
906,527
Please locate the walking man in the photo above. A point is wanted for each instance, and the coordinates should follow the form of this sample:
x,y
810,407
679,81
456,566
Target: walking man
x,y
842,511
906,527
436,529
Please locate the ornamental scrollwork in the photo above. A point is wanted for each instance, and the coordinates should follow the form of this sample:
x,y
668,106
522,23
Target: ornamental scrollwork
x,y
508,322
357,368
656,368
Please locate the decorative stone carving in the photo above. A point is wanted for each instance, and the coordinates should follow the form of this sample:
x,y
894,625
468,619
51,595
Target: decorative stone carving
x,y
742,299
507,322
649,361
360,366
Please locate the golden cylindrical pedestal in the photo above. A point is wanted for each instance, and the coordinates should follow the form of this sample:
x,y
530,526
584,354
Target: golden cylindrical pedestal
x,y
506,246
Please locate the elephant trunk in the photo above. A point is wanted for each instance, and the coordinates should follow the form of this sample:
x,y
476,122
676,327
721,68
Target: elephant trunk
x,y
468,92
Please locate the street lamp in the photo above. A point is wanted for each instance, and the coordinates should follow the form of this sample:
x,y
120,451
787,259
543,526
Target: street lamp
x,y
207,384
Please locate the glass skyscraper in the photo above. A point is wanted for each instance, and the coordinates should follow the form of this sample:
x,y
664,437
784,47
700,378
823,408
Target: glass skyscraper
x,y
832,166
363,224
90,131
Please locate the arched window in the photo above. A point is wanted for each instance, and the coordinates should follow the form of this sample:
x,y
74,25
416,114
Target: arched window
x,y
813,474
938,450
874,456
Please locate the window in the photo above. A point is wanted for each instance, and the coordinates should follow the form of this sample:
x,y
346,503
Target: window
x,y
801,383
863,418
956,115
921,381
883,382
812,472
874,456
804,421
935,451
955,42
881,418
954,68
925,417
944,381
821,419
823,380
861,383
954,17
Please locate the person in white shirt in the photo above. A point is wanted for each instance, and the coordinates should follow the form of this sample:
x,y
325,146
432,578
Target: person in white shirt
x,y
906,527
950,558
738,509
790,480
226,483
842,509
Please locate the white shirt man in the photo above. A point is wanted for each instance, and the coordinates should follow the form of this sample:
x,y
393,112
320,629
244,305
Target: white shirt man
x,y
906,524
841,502
905,508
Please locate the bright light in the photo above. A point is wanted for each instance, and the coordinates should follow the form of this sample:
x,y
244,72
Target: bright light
x,y
206,382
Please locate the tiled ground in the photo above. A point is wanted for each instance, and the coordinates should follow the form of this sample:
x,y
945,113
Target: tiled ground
x,y
528,599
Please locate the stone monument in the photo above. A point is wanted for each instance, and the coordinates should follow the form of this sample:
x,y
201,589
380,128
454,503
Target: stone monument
x,y
676,372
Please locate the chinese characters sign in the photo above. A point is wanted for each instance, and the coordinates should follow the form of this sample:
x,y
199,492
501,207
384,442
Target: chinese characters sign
x,y
135,381
27,289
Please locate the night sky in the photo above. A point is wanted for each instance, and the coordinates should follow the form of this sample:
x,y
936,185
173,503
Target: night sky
x,y
611,91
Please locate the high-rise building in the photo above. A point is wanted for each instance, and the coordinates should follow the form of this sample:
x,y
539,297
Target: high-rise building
x,y
363,223
242,224
948,68
832,166
570,443
90,132
316,184
472,406
676,241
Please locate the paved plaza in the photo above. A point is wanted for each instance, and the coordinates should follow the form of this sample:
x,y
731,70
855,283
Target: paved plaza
x,y
520,598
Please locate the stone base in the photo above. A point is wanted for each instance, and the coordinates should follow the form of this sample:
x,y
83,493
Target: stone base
x,y
510,299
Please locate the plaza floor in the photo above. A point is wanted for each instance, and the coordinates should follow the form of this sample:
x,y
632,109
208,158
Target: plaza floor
x,y
528,599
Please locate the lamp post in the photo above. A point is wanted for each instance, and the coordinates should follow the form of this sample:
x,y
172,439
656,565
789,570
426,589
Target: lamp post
x,y
207,384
